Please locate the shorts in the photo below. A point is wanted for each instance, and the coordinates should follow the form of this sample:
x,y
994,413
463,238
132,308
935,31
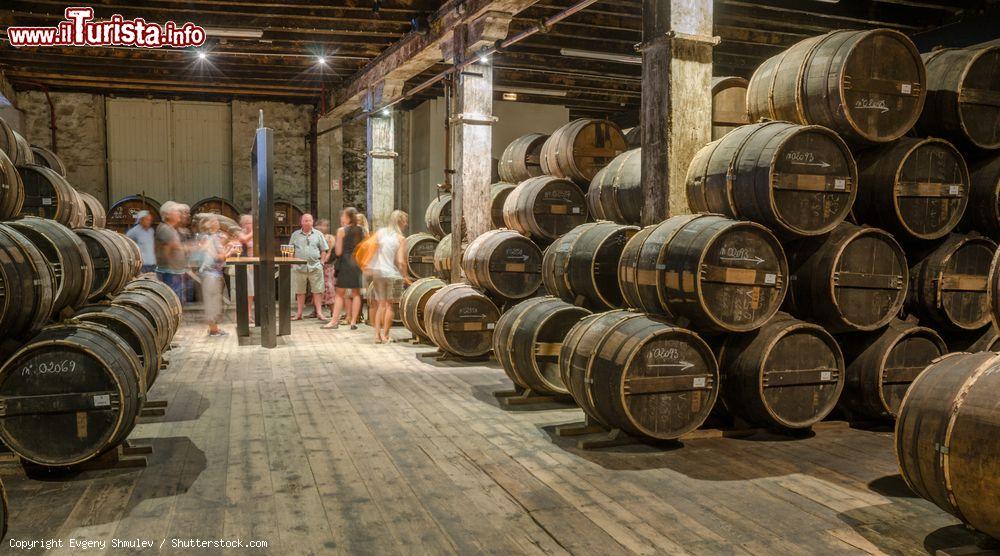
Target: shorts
x,y
385,289
313,277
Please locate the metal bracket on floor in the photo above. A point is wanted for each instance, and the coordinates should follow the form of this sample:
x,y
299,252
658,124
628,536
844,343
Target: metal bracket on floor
x,y
153,408
525,396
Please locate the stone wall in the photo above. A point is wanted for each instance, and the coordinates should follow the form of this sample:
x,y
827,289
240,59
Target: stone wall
x,y
290,123
355,173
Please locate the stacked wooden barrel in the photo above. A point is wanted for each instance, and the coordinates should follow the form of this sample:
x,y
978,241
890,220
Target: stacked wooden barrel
x,y
28,287
217,205
460,320
49,159
545,207
121,215
949,284
577,150
438,216
66,255
420,248
615,193
413,305
962,89
522,158
504,263
287,216
498,196
11,189
113,260
729,105
49,195
982,214
442,258
581,267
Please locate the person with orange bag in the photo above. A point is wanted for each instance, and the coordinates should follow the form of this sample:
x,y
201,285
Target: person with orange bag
x,y
346,269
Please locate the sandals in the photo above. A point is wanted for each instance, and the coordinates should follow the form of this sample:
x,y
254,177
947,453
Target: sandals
x,y
331,325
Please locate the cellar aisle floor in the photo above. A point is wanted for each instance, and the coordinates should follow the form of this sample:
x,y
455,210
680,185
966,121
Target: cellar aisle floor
x,y
333,444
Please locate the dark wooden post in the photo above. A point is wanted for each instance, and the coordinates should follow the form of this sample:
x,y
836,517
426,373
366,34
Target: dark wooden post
x,y
676,99
262,201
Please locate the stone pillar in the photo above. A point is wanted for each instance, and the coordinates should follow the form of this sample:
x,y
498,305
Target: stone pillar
x,y
331,170
676,100
381,163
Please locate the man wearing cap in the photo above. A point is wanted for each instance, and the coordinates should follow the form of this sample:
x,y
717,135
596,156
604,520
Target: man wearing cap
x,y
143,235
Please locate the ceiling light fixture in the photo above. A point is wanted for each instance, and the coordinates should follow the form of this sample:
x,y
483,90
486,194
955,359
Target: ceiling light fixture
x,y
385,111
233,33
530,91
202,56
321,60
589,54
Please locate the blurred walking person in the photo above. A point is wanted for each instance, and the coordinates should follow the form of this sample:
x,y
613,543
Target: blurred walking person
x,y
245,239
348,273
389,272
143,235
329,269
171,255
212,252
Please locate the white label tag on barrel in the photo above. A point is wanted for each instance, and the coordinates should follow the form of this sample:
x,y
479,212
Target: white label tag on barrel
x,y
102,400
905,88
661,267
954,190
825,376
575,210
771,279
491,325
46,201
699,382
840,184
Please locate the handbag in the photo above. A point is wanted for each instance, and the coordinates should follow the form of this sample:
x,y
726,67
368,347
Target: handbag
x,y
365,251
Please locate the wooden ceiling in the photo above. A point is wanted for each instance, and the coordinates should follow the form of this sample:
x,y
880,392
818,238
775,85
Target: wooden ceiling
x,y
282,64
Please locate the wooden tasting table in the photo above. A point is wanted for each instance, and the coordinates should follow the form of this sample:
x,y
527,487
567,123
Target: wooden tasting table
x,y
284,264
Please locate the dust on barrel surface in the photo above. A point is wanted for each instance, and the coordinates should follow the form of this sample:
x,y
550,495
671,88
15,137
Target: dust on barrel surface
x,y
581,267
67,256
528,339
108,259
498,195
949,286
867,85
522,158
49,195
69,395
137,332
11,189
917,189
856,278
729,104
505,263
217,205
545,208
49,159
460,320
882,364
121,215
28,286
442,258
788,373
287,216
615,193
717,274
578,149
438,216
983,212
799,181
963,96
948,438
640,374
413,304
420,249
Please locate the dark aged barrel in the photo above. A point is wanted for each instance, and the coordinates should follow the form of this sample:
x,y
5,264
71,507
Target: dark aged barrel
x,y
95,215
522,158
615,193
154,310
4,510
15,145
49,195
11,189
49,159
983,212
788,373
66,254
121,215
135,330
111,272
882,364
720,275
867,85
438,216
498,195
577,150
963,96
642,375
442,258
504,263
581,267
799,181
217,205
856,278
133,257
528,338
993,290
460,320
949,285
27,285
287,218
948,438
163,291
545,208
69,395
729,105
913,188
414,302
420,249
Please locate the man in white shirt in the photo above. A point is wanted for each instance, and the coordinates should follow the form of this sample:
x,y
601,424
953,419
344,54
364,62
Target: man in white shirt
x,y
310,245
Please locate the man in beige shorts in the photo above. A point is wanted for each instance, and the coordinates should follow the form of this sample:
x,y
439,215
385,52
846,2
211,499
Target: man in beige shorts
x,y
310,244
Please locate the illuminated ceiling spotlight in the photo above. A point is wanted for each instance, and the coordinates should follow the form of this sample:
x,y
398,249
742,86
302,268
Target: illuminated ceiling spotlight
x,y
484,58
385,111
321,60
202,55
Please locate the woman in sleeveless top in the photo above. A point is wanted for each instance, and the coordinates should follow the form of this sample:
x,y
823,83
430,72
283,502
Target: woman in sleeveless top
x,y
245,239
348,275
389,272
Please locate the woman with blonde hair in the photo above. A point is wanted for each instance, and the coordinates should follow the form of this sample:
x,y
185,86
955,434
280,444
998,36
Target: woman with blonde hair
x,y
329,259
388,270
212,254
348,274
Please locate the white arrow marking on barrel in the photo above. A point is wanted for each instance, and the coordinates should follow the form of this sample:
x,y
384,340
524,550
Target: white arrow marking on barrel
x,y
755,260
820,164
523,258
684,365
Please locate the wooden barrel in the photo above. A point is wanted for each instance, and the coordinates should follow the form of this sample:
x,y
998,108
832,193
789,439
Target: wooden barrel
x,y
217,205
581,267
498,195
963,96
121,215
577,150
914,188
460,320
130,250
15,145
504,263
167,295
528,338
983,212
442,258
44,157
948,286
49,195
729,105
95,215
11,189
522,158
69,395
413,303
154,310
420,249
67,256
828,80
799,181
438,216
615,193
111,272
948,438
133,327
882,364
287,219
545,208
717,274
640,374
788,374
27,286
4,511
854,279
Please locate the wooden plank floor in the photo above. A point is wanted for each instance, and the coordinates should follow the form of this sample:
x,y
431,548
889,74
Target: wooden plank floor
x,y
330,444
